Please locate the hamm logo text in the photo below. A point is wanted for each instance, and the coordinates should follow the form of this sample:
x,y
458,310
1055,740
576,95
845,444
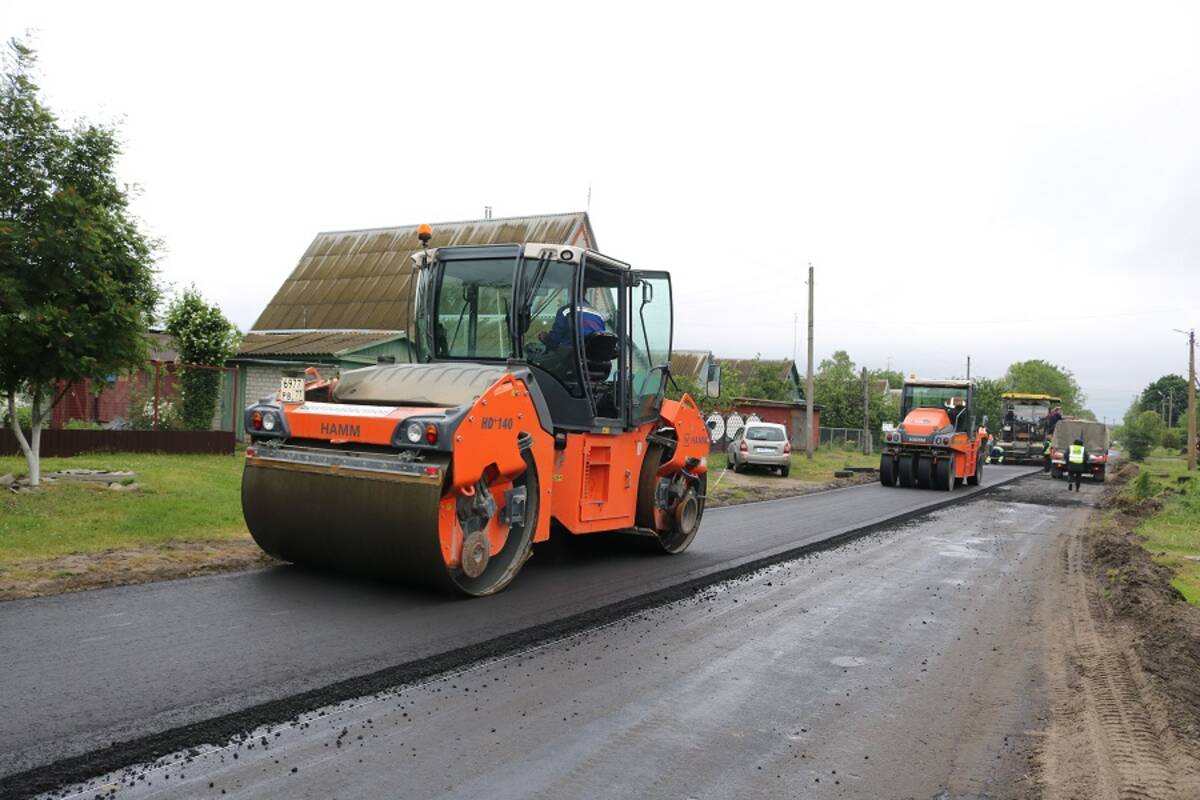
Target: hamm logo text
x,y
341,430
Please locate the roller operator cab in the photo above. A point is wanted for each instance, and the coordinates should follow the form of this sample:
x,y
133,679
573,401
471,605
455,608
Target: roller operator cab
x,y
937,446
534,399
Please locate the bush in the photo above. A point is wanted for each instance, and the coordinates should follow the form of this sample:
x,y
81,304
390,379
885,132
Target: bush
x,y
1172,438
1142,433
24,417
1142,487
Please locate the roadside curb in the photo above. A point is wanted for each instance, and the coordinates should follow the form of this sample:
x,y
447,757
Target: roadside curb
x,y
76,769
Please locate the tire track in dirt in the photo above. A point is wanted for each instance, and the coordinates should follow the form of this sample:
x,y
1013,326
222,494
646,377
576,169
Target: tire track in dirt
x,y
1106,739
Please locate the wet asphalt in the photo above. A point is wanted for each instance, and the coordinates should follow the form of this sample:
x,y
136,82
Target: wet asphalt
x,y
82,671
902,664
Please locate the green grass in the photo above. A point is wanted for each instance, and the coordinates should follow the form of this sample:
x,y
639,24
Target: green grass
x,y
1173,533
182,498
821,468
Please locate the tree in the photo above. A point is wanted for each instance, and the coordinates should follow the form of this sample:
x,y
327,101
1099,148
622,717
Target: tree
x,y
768,381
837,387
205,338
1041,377
1167,396
77,288
988,402
1141,432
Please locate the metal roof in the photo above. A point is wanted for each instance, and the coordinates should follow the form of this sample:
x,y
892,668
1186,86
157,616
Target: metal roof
x,y
312,343
359,279
687,363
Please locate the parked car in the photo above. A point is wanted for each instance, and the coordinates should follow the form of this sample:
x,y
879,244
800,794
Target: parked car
x,y
760,444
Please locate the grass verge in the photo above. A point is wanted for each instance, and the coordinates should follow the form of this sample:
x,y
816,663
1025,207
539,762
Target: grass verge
x,y
825,461
182,499
1172,533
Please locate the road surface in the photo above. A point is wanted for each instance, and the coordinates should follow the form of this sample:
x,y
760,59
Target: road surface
x,y
130,664
905,664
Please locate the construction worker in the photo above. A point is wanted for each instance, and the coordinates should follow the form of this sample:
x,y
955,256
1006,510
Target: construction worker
x,y
1046,450
1076,463
1051,421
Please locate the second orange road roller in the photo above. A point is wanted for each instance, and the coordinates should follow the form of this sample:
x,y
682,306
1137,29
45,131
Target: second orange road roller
x,y
937,445
535,400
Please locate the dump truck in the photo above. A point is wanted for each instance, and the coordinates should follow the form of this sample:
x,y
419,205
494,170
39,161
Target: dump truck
x,y
1023,429
535,400
937,445
1095,440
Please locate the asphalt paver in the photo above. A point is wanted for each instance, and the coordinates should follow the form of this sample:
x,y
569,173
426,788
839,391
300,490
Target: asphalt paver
x,y
903,664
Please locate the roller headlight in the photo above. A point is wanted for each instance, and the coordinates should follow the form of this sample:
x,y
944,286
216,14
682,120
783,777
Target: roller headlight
x,y
269,421
414,432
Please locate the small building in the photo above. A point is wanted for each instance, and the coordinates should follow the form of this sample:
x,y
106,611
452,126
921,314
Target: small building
x,y
791,415
346,303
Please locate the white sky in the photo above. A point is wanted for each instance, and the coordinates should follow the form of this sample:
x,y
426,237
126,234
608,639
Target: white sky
x,y
915,153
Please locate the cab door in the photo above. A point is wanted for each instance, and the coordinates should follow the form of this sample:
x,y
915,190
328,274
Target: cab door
x,y
649,346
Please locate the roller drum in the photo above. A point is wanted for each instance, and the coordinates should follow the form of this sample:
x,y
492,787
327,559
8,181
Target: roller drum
x,y
385,528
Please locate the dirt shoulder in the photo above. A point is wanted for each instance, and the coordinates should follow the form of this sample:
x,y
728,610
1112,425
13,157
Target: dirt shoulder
x,y
128,565
1122,661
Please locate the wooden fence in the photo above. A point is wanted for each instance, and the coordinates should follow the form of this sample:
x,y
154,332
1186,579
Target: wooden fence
x,y
59,443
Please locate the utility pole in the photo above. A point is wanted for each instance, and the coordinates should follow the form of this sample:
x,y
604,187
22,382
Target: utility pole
x,y
1192,400
968,368
866,413
1191,396
808,391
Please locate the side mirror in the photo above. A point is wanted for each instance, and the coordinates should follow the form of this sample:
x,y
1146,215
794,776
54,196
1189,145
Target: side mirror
x,y
647,293
712,384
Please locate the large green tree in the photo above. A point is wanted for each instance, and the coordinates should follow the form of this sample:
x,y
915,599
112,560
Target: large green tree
x,y
77,285
204,338
988,402
1167,396
1041,377
838,388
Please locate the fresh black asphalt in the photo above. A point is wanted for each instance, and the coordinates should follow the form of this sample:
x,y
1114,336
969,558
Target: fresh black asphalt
x,y
157,663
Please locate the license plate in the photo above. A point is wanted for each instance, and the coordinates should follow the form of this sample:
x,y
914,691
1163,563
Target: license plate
x,y
764,449
291,390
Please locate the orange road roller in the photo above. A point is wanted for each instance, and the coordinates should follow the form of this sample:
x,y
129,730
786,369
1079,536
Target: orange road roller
x,y
937,446
534,399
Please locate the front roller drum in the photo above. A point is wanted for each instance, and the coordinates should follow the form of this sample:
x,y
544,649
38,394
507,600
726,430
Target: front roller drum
x,y
381,527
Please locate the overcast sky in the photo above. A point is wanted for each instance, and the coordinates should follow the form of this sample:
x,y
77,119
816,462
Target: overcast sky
x,y
1007,182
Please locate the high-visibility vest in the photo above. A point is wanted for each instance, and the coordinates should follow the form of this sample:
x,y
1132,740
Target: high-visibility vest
x,y
1046,449
1076,456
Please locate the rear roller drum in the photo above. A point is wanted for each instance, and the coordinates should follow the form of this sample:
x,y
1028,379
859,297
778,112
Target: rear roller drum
x,y
683,517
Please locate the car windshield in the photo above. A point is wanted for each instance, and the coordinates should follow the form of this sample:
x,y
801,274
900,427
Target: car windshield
x,y
764,434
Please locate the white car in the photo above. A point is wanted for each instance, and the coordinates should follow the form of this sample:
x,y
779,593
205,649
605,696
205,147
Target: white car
x,y
760,444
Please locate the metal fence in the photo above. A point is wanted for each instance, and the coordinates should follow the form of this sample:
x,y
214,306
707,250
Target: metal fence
x,y
64,443
147,400
848,439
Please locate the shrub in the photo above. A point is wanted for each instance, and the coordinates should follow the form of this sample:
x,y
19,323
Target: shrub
x,y
1142,432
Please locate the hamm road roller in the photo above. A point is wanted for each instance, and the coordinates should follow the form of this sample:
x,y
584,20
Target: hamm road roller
x,y
534,399
937,445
